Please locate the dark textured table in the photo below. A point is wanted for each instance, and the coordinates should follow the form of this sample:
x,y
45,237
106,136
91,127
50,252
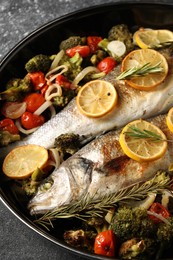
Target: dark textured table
x,y
17,19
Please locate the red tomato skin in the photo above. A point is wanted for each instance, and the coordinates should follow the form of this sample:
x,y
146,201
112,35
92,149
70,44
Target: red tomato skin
x,y
63,81
29,120
34,101
105,243
38,79
83,50
7,124
93,42
106,65
158,208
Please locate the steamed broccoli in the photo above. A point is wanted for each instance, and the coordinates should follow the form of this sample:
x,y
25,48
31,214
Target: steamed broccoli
x,y
39,62
121,32
16,89
68,143
80,238
6,138
129,222
70,42
62,101
138,249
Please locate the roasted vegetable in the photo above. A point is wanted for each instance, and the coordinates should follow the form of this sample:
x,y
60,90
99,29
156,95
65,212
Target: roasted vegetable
x,y
71,42
129,222
73,64
68,143
6,138
16,89
39,62
80,238
62,101
121,32
138,249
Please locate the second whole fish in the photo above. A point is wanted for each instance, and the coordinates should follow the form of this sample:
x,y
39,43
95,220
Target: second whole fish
x,y
132,104
101,167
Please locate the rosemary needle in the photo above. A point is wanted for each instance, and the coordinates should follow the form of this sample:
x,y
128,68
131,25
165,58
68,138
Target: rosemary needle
x,y
94,206
145,134
140,71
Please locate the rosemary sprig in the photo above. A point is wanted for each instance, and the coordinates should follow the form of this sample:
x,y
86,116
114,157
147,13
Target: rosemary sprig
x,y
161,45
147,68
145,134
97,207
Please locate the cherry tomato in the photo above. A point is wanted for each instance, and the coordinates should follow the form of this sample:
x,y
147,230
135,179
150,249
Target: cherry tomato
x,y
105,243
83,50
159,209
38,79
13,110
92,42
7,124
34,101
107,64
63,81
29,120
44,89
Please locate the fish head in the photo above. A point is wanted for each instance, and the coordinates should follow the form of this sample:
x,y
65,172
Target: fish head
x,y
53,192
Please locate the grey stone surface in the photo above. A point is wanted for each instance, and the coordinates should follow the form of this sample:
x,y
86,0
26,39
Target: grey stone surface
x,y
18,18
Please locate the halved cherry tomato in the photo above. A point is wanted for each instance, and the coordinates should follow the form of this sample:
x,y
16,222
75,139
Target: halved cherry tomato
x,y
107,64
92,42
34,101
105,243
83,50
44,89
29,120
159,209
38,79
7,124
13,110
63,81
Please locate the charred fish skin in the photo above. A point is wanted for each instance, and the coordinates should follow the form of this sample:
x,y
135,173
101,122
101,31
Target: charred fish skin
x,y
132,104
101,167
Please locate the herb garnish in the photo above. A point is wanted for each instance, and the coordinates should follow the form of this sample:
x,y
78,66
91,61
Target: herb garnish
x,y
89,207
145,134
140,71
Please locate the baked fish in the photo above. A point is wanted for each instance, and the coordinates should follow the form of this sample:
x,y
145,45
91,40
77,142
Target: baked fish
x,y
132,104
100,167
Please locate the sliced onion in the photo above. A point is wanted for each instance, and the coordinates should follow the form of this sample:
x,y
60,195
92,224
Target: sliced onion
x,y
52,110
55,156
51,78
43,107
83,73
24,131
13,110
52,87
57,59
159,216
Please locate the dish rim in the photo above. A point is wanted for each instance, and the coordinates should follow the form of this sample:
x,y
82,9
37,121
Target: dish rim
x,y
34,34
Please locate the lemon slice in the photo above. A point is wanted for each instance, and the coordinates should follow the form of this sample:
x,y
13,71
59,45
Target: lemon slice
x,y
21,162
142,149
96,98
169,119
139,58
148,38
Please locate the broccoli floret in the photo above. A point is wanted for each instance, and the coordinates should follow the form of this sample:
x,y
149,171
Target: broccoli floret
x,y
16,89
72,41
121,33
80,238
68,143
73,64
138,249
97,57
62,101
6,138
39,62
132,222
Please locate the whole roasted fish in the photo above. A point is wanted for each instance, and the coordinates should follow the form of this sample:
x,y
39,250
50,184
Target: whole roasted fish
x,y
132,104
99,168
